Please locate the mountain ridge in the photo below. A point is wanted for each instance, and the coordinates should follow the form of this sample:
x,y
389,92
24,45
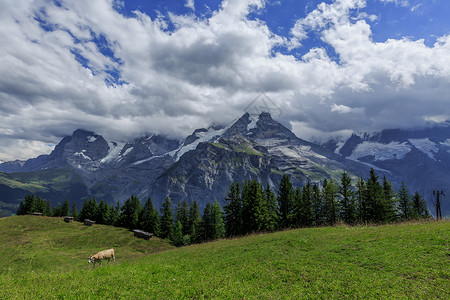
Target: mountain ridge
x,y
203,165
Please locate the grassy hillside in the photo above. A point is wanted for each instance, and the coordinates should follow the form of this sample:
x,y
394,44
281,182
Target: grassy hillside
x,y
54,185
395,261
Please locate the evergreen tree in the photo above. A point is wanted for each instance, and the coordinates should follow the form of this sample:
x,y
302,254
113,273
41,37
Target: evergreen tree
x,y
89,209
64,208
29,204
149,217
39,205
389,202
404,202
348,207
217,221
329,191
318,206
194,223
306,209
114,215
101,213
21,210
419,207
296,214
271,217
253,208
361,201
285,201
177,234
233,211
47,208
374,199
182,215
56,212
74,212
206,225
166,221
129,214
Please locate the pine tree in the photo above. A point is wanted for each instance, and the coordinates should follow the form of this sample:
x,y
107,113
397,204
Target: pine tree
x,y
253,209
285,201
114,214
39,205
306,209
177,234
217,221
206,224
361,211
419,207
64,208
182,215
166,221
149,220
29,204
21,210
318,206
195,222
389,202
329,191
74,212
296,214
47,208
233,211
88,211
348,207
374,199
271,218
404,202
129,214
101,213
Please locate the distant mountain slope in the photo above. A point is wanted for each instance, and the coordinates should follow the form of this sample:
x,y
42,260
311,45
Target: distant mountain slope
x,y
420,157
54,185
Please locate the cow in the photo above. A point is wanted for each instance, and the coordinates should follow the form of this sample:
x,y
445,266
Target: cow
x,y
105,254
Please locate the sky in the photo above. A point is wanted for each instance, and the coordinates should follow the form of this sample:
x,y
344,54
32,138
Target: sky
x,y
128,68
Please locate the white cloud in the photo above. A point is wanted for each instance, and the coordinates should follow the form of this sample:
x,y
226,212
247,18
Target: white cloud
x,y
190,4
204,71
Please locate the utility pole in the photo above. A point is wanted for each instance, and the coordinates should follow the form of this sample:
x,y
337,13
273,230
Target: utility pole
x,y
438,204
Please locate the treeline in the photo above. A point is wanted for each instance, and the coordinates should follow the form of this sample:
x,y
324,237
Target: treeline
x,y
251,208
35,204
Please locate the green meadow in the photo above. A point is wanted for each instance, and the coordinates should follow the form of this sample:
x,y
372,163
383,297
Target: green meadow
x,y
44,257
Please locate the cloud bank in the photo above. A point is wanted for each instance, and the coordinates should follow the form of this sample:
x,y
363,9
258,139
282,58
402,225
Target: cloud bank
x,y
82,64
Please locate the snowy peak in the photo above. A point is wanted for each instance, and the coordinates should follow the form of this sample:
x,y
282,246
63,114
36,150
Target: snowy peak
x,y
396,144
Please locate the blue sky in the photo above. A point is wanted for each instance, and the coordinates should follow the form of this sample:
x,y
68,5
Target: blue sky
x,y
127,68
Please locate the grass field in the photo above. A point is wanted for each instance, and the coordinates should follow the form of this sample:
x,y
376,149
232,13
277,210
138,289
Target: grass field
x,y
405,261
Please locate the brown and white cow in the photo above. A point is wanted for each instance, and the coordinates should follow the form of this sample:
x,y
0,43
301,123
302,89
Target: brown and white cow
x,y
105,254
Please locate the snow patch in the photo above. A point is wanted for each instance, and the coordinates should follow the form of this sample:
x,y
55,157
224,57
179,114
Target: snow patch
x,y
446,144
127,151
253,120
339,146
210,136
426,146
393,150
114,152
147,159
82,154
91,139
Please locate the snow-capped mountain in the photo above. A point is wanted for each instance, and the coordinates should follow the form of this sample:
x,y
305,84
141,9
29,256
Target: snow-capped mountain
x,y
419,157
203,165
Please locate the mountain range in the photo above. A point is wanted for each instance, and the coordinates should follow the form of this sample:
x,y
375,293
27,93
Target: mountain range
x,y
203,165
